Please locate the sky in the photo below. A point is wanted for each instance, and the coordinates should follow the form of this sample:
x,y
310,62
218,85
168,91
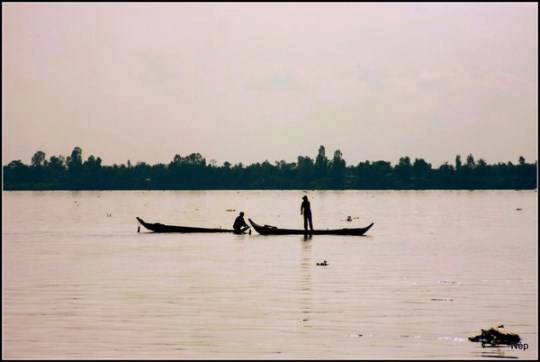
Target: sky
x,y
248,82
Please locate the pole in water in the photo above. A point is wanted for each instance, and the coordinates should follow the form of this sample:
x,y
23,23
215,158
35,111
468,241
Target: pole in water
x,y
138,229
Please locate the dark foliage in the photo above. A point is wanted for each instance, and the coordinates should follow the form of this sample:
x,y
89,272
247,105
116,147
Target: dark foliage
x,y
192,172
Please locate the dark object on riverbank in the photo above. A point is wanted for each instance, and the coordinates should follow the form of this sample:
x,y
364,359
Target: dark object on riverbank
x,y
160,228
272,230
496,336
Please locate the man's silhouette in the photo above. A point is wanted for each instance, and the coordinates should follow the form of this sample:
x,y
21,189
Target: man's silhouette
x,y
305,209
240,225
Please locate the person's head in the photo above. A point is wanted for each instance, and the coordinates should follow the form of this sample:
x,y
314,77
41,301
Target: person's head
x,y
304,197
241,213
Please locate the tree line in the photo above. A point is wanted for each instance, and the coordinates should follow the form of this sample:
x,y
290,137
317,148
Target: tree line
x,y
192,172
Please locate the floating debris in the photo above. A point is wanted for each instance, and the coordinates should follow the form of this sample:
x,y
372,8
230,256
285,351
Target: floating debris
x,y
349,218
453,339
323,263
496,336
518,209
230,210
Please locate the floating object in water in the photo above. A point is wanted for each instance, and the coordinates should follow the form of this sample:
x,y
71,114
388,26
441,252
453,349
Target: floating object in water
x,y
323,263
518,209
349,218
496,336
230,210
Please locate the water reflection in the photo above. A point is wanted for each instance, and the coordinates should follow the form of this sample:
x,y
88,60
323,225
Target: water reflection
x,y
306,282
494,352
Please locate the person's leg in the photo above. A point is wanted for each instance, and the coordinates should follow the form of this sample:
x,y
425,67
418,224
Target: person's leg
x,y
310,223
305,222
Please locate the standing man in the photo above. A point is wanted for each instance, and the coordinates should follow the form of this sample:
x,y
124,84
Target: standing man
x,y
305,209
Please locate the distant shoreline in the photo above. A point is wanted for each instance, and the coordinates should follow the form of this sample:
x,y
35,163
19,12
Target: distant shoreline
x,y
192,172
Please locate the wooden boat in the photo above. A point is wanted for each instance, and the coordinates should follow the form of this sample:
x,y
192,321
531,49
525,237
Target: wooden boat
x,y
161,228
272,230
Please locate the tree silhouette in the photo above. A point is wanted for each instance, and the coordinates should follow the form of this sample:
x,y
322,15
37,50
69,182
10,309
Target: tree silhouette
x,y
192,172
458,163
338,168
38,159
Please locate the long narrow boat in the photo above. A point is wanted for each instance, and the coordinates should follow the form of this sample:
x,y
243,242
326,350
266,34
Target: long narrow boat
x,y
161,228
272,230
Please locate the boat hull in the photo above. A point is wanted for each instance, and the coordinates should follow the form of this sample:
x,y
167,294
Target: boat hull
x,y
161,228
272,230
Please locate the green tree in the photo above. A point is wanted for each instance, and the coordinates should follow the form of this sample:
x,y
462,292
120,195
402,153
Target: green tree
x,y
403,171
470,162
338,168
74,162
321,163
421,172
38,159
458,163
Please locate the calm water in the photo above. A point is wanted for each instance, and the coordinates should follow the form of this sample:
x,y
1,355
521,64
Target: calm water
x,y
435,268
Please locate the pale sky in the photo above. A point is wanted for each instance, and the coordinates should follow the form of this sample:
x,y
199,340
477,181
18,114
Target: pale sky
x,y
248,82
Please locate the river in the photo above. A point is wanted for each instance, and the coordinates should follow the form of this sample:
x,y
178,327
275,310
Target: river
x,y
79,281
